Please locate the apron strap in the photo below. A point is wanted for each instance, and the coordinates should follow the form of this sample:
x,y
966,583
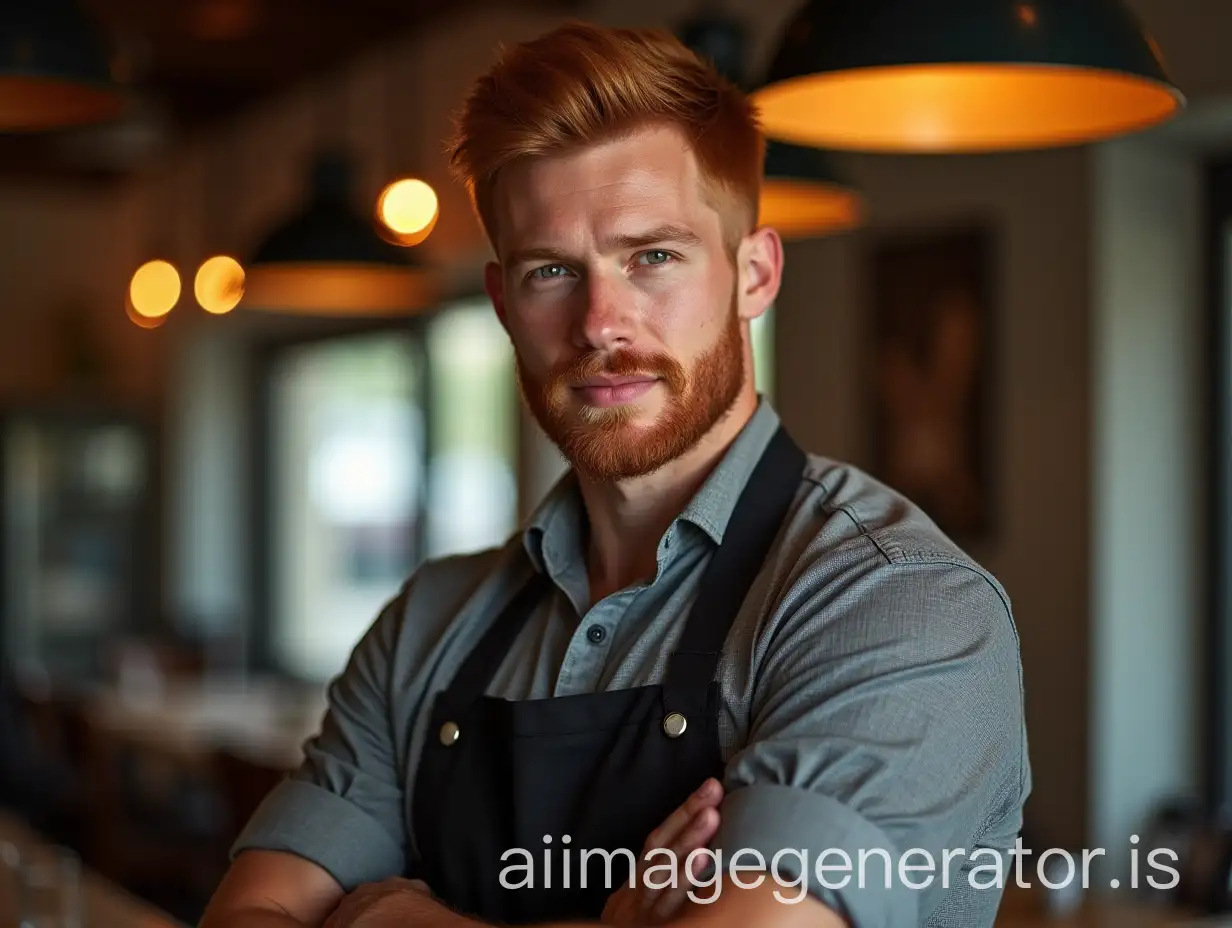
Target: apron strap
x,y
476,672
751,531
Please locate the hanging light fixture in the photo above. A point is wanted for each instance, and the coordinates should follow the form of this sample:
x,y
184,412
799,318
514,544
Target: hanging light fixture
x,y
407,210
802,194
408,207
54,68
963,75
219,282
155,288
329,259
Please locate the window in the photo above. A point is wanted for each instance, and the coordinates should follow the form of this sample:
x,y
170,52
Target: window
x,y
347,446
472,480
383,448
761,333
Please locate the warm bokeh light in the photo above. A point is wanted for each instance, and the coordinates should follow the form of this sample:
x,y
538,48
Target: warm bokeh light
x,y
219,285
142,322
408,210
960,107
155,289
799,209
30,103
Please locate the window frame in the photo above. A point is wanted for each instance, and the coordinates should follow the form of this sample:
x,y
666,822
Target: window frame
x,y
1217,687
266,352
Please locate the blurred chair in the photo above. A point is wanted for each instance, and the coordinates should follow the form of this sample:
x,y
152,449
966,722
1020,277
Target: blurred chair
x,y
245,782
37,777
158,843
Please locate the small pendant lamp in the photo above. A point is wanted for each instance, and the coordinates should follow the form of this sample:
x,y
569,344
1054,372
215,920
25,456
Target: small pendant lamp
x,y
54,68
920,76
329,260
802,193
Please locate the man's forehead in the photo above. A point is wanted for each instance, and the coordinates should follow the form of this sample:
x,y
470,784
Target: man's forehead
x,y
649,179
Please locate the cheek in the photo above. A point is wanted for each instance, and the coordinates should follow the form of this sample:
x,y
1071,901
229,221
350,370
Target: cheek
x,y
688,320
541,339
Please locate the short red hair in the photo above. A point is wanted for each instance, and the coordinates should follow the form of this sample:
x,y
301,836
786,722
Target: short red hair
x,y
581,84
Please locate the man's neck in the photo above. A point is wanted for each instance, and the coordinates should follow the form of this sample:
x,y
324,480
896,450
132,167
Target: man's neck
x,y
627,518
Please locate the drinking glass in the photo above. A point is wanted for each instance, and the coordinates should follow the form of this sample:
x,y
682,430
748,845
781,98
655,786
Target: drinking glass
x,y
10,883
50,889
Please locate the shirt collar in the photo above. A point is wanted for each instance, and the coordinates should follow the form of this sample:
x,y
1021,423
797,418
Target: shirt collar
x,y
556,529
712,505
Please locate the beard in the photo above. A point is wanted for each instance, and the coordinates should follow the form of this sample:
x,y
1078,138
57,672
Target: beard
x,y
603,442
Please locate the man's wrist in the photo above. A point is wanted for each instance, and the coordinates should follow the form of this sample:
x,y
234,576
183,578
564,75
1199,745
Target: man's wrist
x,y
422,911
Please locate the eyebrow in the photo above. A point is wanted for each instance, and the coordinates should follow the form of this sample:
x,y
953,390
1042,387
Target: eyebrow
x,y
661,235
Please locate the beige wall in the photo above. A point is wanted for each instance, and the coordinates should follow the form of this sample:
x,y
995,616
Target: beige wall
x,y
1037,206
64,255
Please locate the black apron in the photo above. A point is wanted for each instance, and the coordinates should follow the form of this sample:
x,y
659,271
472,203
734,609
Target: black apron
x,y
603,769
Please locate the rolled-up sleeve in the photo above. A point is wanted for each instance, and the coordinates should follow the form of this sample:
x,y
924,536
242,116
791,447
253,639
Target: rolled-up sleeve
x,y
343,808
886,727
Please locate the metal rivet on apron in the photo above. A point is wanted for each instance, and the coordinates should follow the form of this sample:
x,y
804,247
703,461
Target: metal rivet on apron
x,y
674,725
449,733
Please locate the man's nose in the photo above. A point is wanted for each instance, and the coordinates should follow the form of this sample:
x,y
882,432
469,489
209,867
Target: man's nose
x,y
606,319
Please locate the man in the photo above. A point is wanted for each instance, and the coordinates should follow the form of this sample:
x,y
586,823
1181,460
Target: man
x,y
697,600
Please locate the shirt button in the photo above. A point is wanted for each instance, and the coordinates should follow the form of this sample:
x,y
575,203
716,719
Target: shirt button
x,y
596,633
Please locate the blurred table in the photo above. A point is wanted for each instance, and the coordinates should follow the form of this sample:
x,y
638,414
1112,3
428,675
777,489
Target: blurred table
x,y
190,720
1022,909
104,904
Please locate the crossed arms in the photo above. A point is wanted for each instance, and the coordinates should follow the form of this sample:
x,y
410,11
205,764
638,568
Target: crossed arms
x,y
270,889
887,714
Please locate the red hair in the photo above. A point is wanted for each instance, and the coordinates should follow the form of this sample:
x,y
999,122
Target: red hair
x,y
581,84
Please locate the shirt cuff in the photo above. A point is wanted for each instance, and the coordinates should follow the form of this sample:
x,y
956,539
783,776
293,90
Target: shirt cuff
x,y
311,822
799,839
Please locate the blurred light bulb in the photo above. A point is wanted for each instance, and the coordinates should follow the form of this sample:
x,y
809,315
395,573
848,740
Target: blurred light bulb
x,y
408,210
155,289
142,322
219,285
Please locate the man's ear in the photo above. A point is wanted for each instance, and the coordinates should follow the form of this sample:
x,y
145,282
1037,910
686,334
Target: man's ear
x,y
494,285
759,267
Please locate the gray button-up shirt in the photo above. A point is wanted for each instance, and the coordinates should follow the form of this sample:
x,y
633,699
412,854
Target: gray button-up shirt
x,y
871,695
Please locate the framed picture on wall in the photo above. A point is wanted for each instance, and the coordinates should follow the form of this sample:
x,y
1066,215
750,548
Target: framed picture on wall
x,y
932,315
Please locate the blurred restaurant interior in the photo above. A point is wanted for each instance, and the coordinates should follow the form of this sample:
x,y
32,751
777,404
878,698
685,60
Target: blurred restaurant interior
x,y
249,379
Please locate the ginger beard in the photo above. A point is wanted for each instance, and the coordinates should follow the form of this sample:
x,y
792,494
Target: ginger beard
x,y
604,442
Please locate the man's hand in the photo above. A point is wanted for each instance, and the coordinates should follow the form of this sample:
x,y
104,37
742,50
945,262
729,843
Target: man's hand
x,y
385,903
687,829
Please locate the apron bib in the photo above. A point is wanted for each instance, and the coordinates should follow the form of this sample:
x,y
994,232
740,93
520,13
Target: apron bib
x,y
602,769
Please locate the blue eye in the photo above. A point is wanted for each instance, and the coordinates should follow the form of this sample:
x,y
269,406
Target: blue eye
x,y
549,271
656,257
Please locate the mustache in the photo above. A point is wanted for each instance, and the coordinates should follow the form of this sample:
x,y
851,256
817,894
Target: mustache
x,y
623,363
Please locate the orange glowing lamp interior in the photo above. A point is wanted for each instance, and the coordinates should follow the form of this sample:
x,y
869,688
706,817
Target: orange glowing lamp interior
x,y
798,209
961,107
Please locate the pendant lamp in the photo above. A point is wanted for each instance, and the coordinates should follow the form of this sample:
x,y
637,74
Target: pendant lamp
x,y
802,194
963,75
329,260
54,68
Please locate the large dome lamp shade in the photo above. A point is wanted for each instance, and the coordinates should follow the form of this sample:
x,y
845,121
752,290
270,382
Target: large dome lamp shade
x,y
802,193
923,76
55,69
